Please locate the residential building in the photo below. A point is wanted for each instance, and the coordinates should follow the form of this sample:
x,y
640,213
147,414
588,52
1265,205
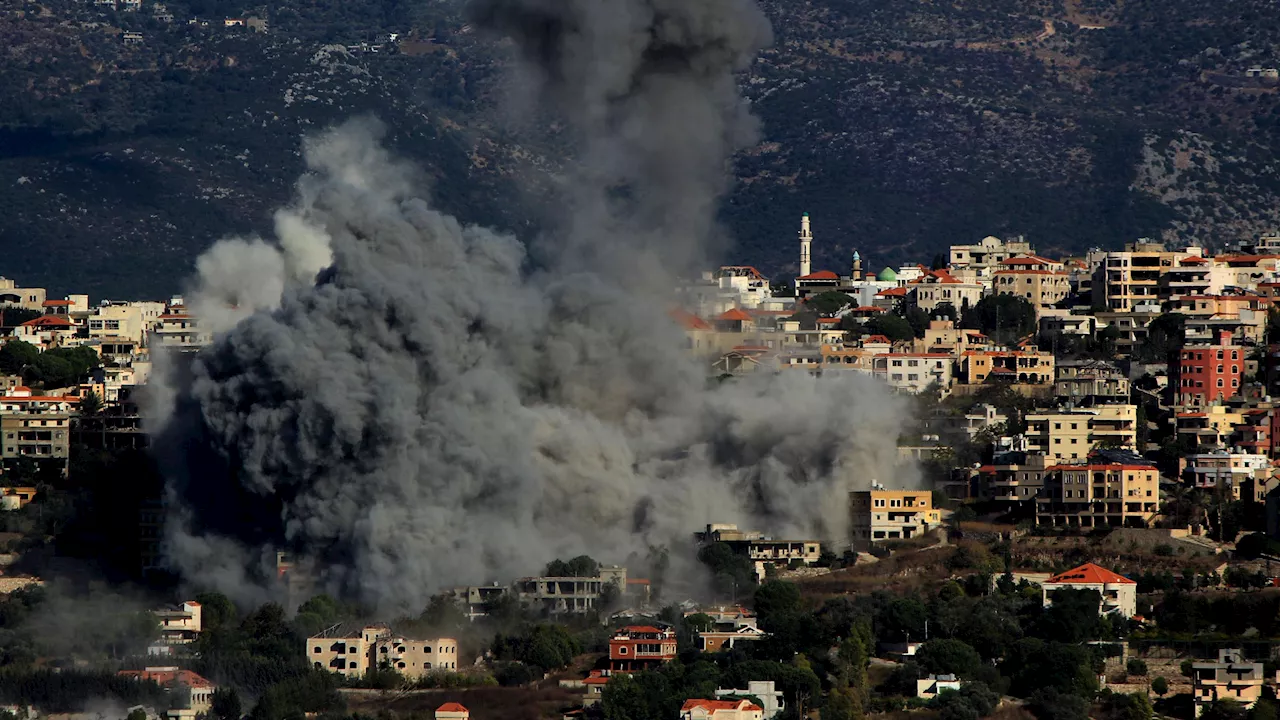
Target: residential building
x,y
452,711
1012,477
1208,374
1099,495
1127,280
721,710
914,372
771,700
122,323
1068,435
1034,279
1245,476
640,647
1090,382
1131,325
13,296
192,693
746,285
1211,427
36,426
1119,594
475,600
982,416
352,653
1232,677
762,549
1054,321
556,595
1193,275
179,625
729,627
16,498
879,514
942,336
929,688
1031,367
985,257
179,330
939,287
48,332
594,685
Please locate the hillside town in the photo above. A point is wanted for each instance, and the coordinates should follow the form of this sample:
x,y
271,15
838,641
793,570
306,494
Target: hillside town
x,y
1100,458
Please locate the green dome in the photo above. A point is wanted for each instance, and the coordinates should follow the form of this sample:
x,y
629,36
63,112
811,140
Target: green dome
x,y
887,275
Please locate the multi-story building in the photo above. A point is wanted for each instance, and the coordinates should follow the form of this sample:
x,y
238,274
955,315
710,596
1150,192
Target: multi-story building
x,y
122,323
1041,282
179,330
36,426
1208,374
1210,427
48,332
1090,382
354,653
1029,367
1070,434
879,514
1193,275
1098,495
985,257
1232,677
761,549
179,625
1118,594
556,595
729,626
1012,477
1128,280
641,647
698,709
1244,476
939,287
26,298
942,336
914,372
771,700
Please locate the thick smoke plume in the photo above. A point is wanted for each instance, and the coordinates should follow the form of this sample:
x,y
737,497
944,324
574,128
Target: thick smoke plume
x,y
414,403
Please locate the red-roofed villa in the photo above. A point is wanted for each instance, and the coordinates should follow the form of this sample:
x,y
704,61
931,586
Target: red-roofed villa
x,y
1119,594
721,710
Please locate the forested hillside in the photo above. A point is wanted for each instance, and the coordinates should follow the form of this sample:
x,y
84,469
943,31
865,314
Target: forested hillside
x,y
903,127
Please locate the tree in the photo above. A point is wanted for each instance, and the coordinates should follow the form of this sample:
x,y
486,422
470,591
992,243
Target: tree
x,y
225,704
137,714
1135,666
891,326
1072,618
1051,704
946,311
1263,709
776,598
16,356
1160,686
829,303
443,613
1225,710
732,573
1165,335
90,404
940,657
581,566
842,704
1003,318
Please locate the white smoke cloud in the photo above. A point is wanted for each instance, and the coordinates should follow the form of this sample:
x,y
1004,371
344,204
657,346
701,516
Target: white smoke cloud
x,y
413,403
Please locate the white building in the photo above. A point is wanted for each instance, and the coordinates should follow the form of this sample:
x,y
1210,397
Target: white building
x,y
929,688
770,697
1119,593
721,710
914,372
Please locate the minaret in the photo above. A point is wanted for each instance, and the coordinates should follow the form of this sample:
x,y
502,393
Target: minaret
x,y
806,243
857,267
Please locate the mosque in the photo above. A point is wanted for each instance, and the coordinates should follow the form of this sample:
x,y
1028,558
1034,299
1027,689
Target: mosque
x,y
863,287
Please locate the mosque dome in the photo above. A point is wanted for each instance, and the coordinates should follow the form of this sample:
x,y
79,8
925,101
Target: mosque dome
x,y
887,275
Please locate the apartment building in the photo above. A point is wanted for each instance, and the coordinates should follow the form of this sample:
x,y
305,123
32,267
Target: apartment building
x,y
942,336
1118,594
1090,382
1245,476
985,257
47,332
762,549
914,372
1033,281
879,515
1012,477
1209,427
123,323
1030,367
559,595
1208,374
1068,435
1193,275
355,652
939,287
1231,677
36,426
1129,280
178,330
640,647
1098,495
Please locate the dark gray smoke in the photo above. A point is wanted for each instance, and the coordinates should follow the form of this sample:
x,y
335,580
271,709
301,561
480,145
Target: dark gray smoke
x,y
404,401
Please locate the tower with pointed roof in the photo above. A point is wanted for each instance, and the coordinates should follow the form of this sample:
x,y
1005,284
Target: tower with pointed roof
x,y
806,246
856,273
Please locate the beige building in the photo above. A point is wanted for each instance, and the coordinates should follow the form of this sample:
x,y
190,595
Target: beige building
x,y
721,710
986,256
557,595
760,548
1232,677
1099,495
1029,367
1130,279
879,515
193,693
121,323
1069,435
1042,288
35,426
1245,476
938,287
179,625
352,654
914,372
27,298
1090,382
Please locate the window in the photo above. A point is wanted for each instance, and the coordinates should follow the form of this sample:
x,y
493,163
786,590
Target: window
x,y
879,503
317,650
1073,426
622,650
351,665
1219,368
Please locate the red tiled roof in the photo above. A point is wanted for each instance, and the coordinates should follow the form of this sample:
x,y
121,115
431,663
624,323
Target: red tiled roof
x,y
688,320
941,276
48,321
829,321
719,705
641,629
754,272
820,275
734,314
867,308
451,707
878,339
55,303
1193,260
1027,260
637,581
1090,574
1100,466
893,292
1031,272
168,677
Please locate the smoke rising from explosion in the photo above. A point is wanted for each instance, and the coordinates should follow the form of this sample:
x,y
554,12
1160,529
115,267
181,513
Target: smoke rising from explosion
x,y
405,400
